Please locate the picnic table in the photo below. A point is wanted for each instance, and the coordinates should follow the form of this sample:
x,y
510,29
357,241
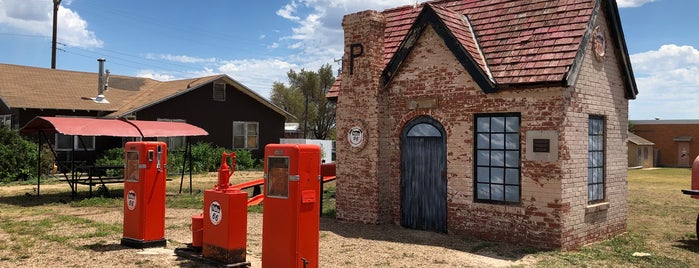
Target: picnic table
x,y
93,175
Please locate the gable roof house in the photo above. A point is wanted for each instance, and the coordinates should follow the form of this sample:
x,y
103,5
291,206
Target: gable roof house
x,y
232,114
504,120
641,152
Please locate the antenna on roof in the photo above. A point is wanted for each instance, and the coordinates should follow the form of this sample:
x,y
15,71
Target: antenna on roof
x,y
102,84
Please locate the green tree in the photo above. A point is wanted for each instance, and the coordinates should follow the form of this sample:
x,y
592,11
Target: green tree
x,y
18,156
287,98
324,124
305,99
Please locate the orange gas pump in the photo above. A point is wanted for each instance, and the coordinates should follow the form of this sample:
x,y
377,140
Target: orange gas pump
x,y
145,171
290,223
225,218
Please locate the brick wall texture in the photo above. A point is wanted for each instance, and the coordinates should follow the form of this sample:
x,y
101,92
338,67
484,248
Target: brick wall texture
x,y
553,212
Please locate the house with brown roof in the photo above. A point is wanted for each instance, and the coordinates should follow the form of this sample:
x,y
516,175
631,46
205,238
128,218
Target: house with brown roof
x,y
505,120
641,152
232,114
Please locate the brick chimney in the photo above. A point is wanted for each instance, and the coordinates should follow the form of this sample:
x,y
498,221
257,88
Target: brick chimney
x,y
358,119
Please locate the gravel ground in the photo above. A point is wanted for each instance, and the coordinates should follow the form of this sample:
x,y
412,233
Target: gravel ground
x,y
341,244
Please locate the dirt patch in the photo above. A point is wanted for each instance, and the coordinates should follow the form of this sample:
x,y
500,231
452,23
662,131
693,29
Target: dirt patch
x,y
341,244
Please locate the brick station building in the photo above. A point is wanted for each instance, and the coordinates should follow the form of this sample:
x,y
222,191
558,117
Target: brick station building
x,y
505,120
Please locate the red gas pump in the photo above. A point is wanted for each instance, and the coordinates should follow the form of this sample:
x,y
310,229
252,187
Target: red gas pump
x,y
695,182
145,171
290,224
694,192
225,218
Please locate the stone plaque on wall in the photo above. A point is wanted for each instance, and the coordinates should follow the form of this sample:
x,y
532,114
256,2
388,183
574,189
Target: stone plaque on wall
x,y
542,145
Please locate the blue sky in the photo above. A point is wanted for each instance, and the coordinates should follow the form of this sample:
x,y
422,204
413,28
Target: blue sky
x,y
257,42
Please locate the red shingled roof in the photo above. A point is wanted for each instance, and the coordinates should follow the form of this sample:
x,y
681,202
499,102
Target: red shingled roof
x,y
334,90
522,41
511,42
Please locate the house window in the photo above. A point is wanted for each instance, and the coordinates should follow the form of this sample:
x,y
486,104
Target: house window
x,y
69,142
645,153
6,120
173,142
497,158
595,159
245,135
220,91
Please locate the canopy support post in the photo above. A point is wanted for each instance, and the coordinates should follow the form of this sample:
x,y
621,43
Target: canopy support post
x,y
38,169
187,155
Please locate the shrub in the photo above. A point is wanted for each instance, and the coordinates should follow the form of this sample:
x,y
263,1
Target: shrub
x,y
174,161
244,160
112,157
19,157
205,158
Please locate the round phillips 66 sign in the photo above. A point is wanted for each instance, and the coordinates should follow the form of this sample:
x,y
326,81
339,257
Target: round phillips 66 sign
x,y
356,137
215,213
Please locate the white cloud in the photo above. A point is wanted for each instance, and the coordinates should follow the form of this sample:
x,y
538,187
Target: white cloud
x,y
72,30
317,32
36,17
157,75
632,3
315,38
180,58
258,74
668,83
287,11
26,10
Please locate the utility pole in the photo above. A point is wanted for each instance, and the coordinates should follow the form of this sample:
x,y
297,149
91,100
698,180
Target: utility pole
x,y
56,4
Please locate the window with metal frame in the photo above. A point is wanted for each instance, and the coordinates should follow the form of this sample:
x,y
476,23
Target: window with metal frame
x,y
69,142
497,158
595,159
219,91
173,142
245,135
6,120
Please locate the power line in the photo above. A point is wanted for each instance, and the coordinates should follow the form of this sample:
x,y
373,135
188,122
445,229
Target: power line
x,y
134,64
128,60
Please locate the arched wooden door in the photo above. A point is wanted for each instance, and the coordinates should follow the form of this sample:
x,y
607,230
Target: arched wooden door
x,y
423,175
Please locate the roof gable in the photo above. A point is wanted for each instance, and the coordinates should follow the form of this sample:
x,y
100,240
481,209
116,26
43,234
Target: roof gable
x,y
508,43
622,50
456,32
171,89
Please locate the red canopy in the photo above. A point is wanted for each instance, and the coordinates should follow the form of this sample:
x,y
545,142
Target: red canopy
x,y
110,127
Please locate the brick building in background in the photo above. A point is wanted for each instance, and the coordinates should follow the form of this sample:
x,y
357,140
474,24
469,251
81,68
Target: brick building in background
x,y
504,120
675,140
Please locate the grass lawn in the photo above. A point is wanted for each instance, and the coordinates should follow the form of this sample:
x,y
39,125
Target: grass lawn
x,y
661,221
